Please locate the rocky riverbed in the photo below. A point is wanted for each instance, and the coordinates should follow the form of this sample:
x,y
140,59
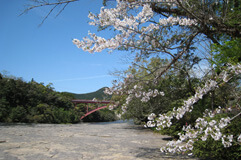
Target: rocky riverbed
x,y
87,141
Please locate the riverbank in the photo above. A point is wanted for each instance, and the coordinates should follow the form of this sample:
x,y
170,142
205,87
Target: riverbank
x,y
99,141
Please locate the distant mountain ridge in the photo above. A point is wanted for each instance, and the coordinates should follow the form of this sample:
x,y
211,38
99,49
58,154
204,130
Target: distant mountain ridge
x,y
99,94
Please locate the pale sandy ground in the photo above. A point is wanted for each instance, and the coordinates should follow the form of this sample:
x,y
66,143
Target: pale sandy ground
x,y
87,141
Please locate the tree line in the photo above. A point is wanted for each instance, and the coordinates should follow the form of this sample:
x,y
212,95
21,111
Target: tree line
x,y
32,102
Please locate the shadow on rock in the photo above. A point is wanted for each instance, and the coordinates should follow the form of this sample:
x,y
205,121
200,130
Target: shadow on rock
x,y
150,153
155,153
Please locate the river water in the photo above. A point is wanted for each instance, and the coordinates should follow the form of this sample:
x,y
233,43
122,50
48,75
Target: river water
x,y
88,141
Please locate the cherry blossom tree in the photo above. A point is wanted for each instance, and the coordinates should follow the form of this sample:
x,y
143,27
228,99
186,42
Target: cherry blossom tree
x,y
171,29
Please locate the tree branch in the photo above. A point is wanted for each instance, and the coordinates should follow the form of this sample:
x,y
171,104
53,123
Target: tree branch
x,y
174,60
43,3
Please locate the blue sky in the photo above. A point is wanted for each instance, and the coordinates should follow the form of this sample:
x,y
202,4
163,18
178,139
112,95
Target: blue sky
x,y
47,53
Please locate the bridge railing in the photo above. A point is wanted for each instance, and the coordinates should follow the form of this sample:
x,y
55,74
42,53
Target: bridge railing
x,y
90,101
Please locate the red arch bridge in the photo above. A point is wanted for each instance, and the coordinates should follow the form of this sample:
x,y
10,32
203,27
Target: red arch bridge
x,y
99,103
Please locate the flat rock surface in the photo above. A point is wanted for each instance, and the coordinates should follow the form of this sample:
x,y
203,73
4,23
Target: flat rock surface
x,y
87,141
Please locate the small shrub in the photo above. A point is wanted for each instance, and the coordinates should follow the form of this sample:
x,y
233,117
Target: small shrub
x,y
213,150
18,114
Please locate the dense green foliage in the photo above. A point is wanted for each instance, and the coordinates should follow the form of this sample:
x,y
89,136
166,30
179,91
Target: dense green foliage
x,y
177,84
226,95
212,150
229,52
103,115
32,102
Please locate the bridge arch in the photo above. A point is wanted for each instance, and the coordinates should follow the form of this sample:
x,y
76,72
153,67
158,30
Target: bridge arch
x,y
77,101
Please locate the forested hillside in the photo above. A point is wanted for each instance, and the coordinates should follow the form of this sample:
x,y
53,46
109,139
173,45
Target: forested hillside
x,y
32,102
22,101
99,94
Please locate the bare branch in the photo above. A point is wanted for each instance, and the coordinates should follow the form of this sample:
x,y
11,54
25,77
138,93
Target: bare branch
x,y
44,3
48,15
179,55
62,9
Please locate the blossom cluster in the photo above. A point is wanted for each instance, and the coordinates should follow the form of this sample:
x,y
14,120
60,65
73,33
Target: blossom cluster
x,y
95,99
239,138
137,91
112,106
133,30
169,3
204,127
145,96
177,21
235,69
164,120
116,17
